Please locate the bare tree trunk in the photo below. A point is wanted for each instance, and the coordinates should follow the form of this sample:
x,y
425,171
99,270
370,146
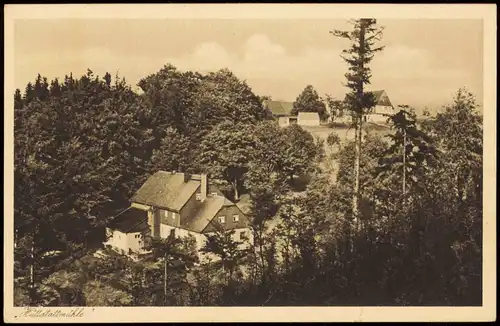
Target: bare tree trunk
x,y
404,168
165,281
358,130
235,186
261,255
32,271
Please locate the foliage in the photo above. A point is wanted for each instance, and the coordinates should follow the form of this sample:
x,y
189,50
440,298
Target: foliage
x,y
336,108
221,243
84,145
300,151
358,56
309,101
224,154
174,154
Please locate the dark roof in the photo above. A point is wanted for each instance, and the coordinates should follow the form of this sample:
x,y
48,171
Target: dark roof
x,y
205,213
279,108
131,220
245,204
166,190
377,95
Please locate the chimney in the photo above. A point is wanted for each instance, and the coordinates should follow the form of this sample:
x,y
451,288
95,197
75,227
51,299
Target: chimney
x,y
204,187
187,177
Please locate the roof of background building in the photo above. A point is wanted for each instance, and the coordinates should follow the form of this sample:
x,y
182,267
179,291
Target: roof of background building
x,y
166,190
377,95
279,108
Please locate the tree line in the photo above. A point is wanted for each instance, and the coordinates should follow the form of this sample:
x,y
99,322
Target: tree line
x,y
84,146
402,224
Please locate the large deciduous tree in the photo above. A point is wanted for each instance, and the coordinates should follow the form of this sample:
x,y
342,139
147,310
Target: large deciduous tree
x,y
80,154
300,151
224,154
310,101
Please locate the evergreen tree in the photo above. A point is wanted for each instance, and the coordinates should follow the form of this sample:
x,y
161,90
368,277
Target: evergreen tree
x,y
55,88
18,99
29,93
363,38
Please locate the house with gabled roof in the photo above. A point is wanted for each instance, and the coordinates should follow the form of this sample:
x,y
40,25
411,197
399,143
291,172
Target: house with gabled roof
x,y
379,113
129,231
383,107
182,205
281,111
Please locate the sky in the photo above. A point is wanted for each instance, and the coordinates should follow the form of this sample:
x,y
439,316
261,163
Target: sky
x,y
424,62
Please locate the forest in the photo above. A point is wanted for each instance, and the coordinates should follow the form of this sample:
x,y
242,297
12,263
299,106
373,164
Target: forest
x,y
401,225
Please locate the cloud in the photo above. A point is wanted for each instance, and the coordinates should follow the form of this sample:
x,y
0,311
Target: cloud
x,y
408,74
267,65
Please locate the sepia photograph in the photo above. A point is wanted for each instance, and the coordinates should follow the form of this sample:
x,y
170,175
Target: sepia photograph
x,y
261,160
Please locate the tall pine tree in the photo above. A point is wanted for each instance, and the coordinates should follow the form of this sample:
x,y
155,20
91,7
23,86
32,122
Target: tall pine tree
x,y
363,47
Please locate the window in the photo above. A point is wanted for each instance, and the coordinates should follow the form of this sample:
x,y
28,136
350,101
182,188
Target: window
x,y
173,216
214,194
236,218
222,219
198,196
172,232
243,235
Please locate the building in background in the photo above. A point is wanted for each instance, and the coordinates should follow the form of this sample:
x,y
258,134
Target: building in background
x,y
379,114
281,111
383,108
308,119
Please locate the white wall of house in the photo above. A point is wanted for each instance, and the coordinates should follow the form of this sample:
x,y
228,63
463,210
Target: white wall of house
x,y
309,121
124,242
182,233
283,121
379,114
382,109
201,239
247,236
377,118
165,230
135,242
117,240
